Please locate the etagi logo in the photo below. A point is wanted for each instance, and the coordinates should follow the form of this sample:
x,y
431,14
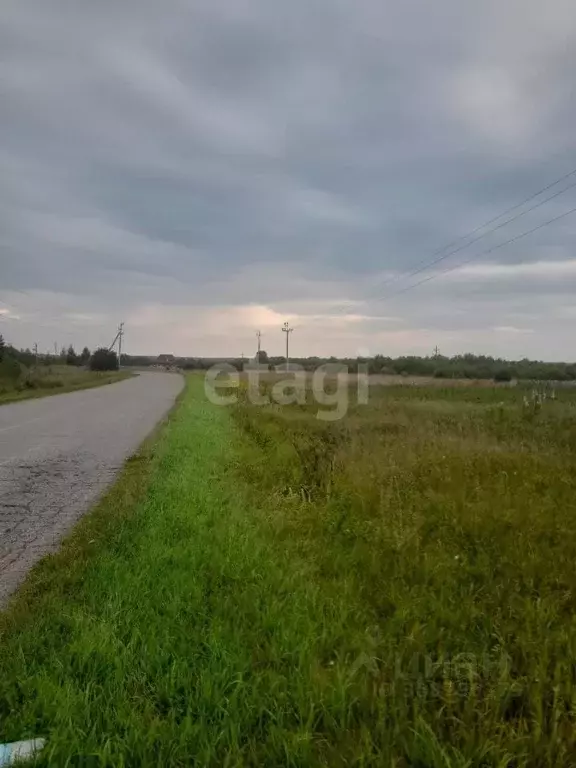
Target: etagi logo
x,y
331,386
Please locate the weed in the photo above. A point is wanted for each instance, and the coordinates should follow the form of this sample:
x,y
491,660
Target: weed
x,y
396,589
39,382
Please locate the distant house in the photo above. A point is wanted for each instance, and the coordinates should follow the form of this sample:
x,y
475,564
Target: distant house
x,y
166,360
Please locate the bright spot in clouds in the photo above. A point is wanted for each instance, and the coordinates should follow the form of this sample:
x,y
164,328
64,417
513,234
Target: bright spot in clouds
x,y
203,170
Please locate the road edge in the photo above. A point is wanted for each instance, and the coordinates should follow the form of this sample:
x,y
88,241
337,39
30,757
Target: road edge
x,y
58,572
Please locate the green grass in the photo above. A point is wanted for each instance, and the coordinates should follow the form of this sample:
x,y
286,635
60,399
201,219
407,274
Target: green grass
x,y
54,380
261,588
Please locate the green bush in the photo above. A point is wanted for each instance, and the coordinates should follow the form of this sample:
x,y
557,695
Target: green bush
x,y
48,383
503,375
104,360
10,370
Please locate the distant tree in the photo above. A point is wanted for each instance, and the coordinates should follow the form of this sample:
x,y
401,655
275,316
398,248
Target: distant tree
x,y
503,375
262,357
85,356
2,347
104,360
10,369
556,373
23,356
466,365
71,356
140,360
376,364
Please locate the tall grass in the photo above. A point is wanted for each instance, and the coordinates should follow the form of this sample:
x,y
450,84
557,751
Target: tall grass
x,y
448,520
20,383
395,589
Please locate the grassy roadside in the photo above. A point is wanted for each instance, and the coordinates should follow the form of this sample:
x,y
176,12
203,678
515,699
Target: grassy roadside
x,y
59,384
167,628
242,601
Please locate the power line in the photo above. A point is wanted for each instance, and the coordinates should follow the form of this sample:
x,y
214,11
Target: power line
x,y
482,253
489,232
483,226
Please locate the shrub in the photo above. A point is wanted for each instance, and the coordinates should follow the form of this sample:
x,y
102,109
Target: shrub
x,y
503,375
48,383
104,360
71,356
10,369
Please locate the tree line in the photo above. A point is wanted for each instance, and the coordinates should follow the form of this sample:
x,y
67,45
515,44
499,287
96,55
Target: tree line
x,y
466,366
102,359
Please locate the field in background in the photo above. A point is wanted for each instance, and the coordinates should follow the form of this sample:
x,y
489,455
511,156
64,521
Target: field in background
x,y
444,520
18,383
390,380
394,380
262,588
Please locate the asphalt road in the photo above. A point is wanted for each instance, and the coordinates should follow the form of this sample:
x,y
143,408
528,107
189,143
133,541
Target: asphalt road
x,y
57,455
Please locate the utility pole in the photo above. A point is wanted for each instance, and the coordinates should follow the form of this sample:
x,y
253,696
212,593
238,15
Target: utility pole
x,y
35,354
287,330
118,338
436,351
259,337
120,334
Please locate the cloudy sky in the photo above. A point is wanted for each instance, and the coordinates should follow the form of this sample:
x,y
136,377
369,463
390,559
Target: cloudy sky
x,y
204,168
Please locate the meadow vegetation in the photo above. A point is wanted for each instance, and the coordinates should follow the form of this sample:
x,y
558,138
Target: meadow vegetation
x,y
20,382
263,588
447,519
464,367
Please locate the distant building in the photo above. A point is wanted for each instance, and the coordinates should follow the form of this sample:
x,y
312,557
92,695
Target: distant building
x,y
166,360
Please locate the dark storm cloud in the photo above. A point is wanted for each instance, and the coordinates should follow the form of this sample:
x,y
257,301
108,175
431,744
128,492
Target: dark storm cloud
x,y
242,153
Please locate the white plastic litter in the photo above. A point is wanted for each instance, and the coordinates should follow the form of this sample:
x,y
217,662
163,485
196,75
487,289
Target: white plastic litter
x,y
11,754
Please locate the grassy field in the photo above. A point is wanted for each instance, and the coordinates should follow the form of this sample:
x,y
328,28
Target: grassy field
x,y
53,380
263,588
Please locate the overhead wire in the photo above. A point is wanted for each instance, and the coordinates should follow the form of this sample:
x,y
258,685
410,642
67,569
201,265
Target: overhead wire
x,y
426,263
461,264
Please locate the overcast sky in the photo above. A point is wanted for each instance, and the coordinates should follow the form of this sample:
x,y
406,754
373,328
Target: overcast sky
x,y
204,168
